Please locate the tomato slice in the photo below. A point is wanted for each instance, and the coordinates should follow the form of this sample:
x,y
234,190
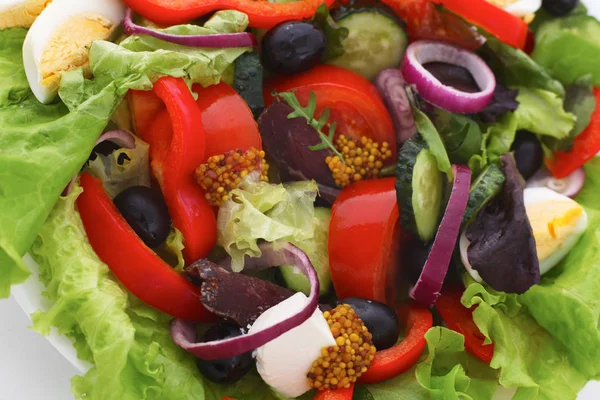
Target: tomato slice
x,y
356,105
364,241
424,20
460,319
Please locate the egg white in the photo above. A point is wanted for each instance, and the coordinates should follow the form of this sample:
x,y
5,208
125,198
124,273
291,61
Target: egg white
x,y
522,8
541,194
58,13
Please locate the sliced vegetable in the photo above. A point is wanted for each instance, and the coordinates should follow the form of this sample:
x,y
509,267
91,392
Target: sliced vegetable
x,y
569,186
460,319
234,296
376,40
416,320
364,238
176,150
262,14
390,83
119,137
487,186
428,132
420,188
356,106
141,271
436,92
248,81
184,333
585,147
500,23
337,394
502,248
427,289
219,41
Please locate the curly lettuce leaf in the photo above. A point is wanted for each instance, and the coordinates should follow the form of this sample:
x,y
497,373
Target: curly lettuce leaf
x,y
261,211
497,140
543,113
44,146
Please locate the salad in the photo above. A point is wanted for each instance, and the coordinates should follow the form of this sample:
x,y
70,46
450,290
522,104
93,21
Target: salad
x,y
362,199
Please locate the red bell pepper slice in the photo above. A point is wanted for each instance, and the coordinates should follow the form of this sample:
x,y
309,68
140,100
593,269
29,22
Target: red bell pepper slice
x,y
262,14
460,319
392,362
508,28
585,147
142,272
337,394
364,241
174,156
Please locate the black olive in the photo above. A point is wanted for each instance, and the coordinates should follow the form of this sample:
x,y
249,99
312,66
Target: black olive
x,y
146,212
529,154
293,47
379,319
455,76
559,7
224,370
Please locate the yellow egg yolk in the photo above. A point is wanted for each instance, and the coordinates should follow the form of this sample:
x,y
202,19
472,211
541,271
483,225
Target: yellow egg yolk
x,y
68,47
22,15
552,222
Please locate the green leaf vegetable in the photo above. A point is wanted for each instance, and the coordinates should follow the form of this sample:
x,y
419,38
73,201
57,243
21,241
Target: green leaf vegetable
x,y
496,140
461,135
334,33
426,128
308,113
44,146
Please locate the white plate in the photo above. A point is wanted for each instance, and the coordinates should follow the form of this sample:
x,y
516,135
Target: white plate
x,y
30,299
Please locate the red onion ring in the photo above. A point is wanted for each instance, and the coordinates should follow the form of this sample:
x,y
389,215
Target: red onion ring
x,y
184,332
428,287
221,41
434,91
118,136
569,186
390,84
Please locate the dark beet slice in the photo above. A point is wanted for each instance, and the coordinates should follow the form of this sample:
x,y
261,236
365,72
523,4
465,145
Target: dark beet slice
x,y
287,142
234,296
502,245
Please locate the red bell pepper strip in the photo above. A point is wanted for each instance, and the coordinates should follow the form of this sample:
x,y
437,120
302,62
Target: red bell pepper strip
x,y
392,362
262,14
142,272
508,28
460,319
585,147
174,156
337,394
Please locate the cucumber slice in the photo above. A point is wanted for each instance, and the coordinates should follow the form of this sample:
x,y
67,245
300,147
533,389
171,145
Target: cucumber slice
x,y
487,185
376,41
420,189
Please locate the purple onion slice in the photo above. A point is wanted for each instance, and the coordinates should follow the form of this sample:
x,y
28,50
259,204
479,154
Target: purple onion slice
x,y
184,332
569,186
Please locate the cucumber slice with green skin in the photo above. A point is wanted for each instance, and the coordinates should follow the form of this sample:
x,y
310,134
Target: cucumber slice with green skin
x,y
420,189
376,41
248,81
487,186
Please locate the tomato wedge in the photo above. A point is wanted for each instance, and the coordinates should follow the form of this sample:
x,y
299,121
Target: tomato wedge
x,y
337,394
585,147
356,105
364,241
392,362
460,319
262,14
508,28
426,21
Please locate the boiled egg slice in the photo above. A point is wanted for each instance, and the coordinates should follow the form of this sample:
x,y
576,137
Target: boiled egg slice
x,y
60,37
20,13
520,8
557,222
284,362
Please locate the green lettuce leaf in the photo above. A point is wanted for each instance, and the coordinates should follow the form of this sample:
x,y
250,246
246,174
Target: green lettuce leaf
x,y
171,250
497,140
515,68
426,128
542,112
44,146
570,48
269,212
